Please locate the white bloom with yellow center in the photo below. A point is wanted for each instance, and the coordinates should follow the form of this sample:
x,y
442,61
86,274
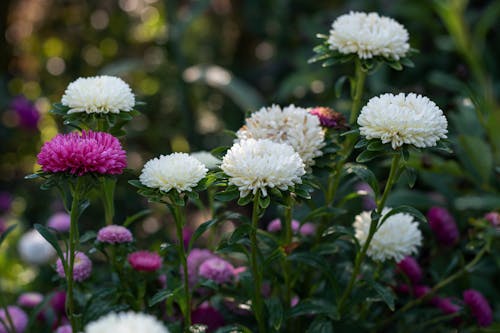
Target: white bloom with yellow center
x,y
126,322
98,94
369,35
256,165
177,171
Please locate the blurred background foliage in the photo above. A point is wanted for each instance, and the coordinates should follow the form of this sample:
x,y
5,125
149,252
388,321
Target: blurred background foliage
x,y
200,66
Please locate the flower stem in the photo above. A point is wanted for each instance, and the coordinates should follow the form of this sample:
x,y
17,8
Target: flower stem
x,y
258,303
287,242
393,175
108,185
360,76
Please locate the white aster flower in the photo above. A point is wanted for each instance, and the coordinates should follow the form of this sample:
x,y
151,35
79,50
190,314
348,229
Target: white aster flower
x,y
369,35
34,249
255,165
292,125
99,94
209,160
403,119
126,322
175,171
397,238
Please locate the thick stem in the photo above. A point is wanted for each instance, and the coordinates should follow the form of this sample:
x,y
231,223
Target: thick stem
x,y
360,76
108,185
258,303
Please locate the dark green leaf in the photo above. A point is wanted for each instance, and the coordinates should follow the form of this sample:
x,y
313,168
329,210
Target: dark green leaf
x,y
367,155
339,84
160,297
385,293
320,325
313,307
131,219
275,311
49,237
4,235
229,194
219,152
365,174
411,173
264,201
89,235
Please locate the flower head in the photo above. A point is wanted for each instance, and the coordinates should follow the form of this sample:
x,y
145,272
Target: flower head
x,y
60,221
403,119
114,234
195,258
479,307
126,322
26,112
445,305
81,269
292,125
396,238
34,249
144,261
329,117
275,226
98,94
217,270
207,159
58,301
369,35
177,171
30,299
79,154
18,316
207,315
255,165
443,225
493,218
64,329
307,229
410,267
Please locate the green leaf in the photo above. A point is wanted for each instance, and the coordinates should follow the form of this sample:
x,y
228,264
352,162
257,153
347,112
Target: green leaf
x,y
407,62
49,237
365,174
276,313
313,307
411,173
202,229
264,201
377,145
320,325
385,293
361,143
175,197
396,65
160,297
234,328
367,155
89,235
229,194
339,84
478,202
324,212
219,152
137,183
4,235
243,201
131,219
476,156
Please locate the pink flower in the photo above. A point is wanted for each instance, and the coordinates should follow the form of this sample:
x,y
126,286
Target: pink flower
x,y
81,270
79,154
217,270
144,261
30,300
421,291
58,301
60,222
445,305
410,267
307,229
64,329
114,234
329,118
207,315
18,316
26,112
275,226
479,307
195,258
493,218
443,225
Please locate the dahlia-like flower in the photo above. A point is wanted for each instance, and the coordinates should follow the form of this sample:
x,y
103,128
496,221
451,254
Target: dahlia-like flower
x,y
79,154
60,221
144,261
292,125
114,234
256,165
99,94
410,267
329,118
34,249
207,315
207,159
195,258
443,225
126,322
398,236
177,171
479,307
217,270
64,329
403,119
369,35
18,316
81,269
29,300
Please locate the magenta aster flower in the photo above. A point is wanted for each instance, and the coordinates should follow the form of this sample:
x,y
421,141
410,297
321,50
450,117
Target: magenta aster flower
x,y
207,315
79,154
479,307
217,270
195,258
81,270
18,316
64,329
443,225
329,118
30,300
60,221
114,234
144,261
410,267
275,226
493,218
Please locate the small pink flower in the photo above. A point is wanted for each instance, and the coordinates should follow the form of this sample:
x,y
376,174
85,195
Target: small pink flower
x,y
81,269
217,270
60,222
443,225
79,154
294,301
18,316
493,218
445,305
479,307
195,258
410,267
307,229
114,234
30,300
275,226
421,291
144,261
329,118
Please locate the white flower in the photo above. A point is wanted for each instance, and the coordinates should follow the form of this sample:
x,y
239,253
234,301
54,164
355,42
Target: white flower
x,y
398,236
403,119
292,125
126,322
175,171
254,165
98,94
369,35
209,160
34,249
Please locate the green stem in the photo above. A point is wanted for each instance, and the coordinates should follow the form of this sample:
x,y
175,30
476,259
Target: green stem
x,y
7,315
360,76
258,303
108,191
287,242
393,175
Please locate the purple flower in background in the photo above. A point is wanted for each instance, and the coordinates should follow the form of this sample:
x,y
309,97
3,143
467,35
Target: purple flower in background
x,y
493,218
187,233
207,315
58,301
3,225
81,270
30,300
5,201
307,229
445,305
217,270
275,226
60,221
443,225
26,112
144,261
114,234
294,301
18,316
479,307
329,118
421,291
195,258
410,267
64,329
368,195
